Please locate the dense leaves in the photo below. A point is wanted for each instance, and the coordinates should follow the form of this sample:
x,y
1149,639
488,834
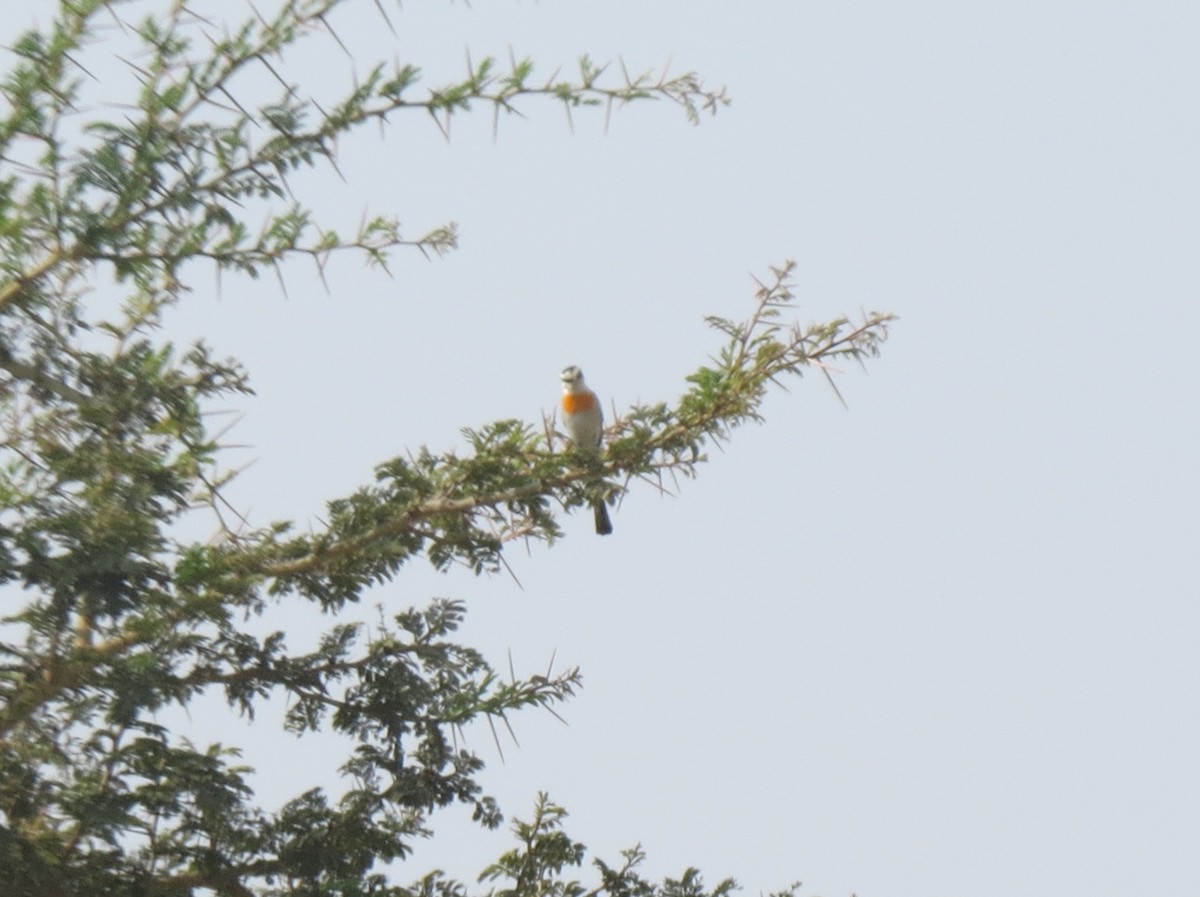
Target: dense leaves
x,y
114,619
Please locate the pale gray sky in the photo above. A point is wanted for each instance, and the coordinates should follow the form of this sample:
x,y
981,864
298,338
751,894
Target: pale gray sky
x,y
944,643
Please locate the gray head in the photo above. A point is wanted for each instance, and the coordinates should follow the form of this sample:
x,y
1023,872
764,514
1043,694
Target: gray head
x,y
572,375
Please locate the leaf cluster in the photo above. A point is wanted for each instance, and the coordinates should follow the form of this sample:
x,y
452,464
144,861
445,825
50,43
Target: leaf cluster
x,y
115,618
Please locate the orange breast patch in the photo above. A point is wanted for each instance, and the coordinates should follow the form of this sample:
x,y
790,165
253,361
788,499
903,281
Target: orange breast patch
x,y
573,403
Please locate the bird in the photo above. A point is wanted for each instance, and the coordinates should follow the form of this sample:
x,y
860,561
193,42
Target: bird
x,y
584,420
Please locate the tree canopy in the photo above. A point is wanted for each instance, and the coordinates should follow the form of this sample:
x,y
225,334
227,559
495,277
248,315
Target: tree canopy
x,y
111,615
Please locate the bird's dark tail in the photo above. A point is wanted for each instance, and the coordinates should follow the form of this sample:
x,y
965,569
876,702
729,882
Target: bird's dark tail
x,y
603,524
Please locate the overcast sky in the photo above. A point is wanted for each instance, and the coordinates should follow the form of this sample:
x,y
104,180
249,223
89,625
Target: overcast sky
x,y
942,643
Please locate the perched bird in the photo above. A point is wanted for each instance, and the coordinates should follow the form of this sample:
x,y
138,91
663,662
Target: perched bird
x,y
584,421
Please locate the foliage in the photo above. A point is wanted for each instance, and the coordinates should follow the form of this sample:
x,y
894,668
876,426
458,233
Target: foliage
x,y
105,450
